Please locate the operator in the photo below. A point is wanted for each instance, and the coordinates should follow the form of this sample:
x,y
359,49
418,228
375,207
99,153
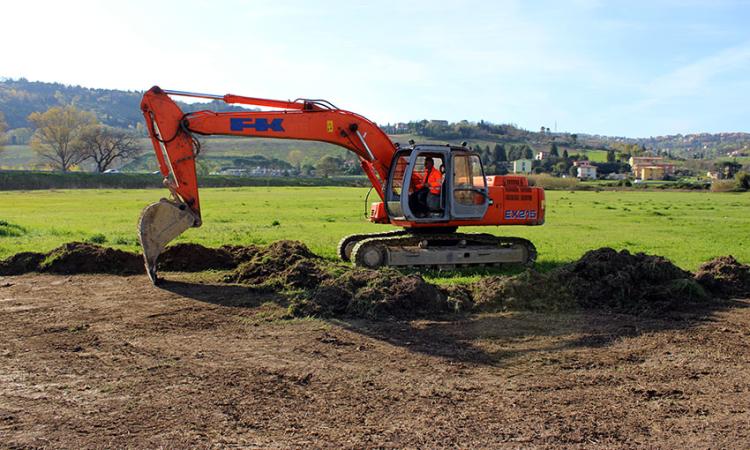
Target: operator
x,y
428,183
435,184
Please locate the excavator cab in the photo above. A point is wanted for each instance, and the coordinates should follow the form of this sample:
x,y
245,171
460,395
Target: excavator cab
x,y
430,183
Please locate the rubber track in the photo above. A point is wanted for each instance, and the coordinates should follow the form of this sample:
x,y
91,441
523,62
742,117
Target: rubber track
x,y
362,236
470,238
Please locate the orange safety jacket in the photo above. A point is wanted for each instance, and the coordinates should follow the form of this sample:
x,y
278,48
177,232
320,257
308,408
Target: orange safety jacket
x,y
434,181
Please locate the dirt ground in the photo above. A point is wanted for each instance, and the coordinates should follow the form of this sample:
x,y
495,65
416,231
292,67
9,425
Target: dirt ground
x,y
112,361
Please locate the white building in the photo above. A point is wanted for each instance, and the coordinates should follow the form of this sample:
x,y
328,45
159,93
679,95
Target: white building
x,y
522,166
585,170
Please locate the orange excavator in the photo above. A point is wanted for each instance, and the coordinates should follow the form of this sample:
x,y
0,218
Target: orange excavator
x,y
428,191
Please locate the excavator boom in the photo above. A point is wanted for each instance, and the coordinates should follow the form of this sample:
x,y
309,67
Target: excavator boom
x,y
172,135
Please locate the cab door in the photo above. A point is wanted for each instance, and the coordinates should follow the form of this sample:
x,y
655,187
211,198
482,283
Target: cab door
x,y
410,174
469,195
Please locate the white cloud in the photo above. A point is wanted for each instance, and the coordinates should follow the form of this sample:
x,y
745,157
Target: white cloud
x,y
693,77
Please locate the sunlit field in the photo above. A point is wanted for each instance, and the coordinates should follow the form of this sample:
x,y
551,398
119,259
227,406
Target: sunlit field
x,y
687,227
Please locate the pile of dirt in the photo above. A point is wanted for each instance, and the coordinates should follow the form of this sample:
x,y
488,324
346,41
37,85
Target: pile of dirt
x,y
529,290
79,257
321,288
21,263
725,277
197,258
372,294
601,279
74,258
279,260
629,282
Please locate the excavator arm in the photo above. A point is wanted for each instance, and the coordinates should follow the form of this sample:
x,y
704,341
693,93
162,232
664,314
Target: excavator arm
x,y
173,133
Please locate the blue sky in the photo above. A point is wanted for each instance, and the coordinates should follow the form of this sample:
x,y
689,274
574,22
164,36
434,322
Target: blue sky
x,y
625,68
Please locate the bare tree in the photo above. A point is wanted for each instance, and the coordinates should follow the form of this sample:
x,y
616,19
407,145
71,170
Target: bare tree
x,y
104,145
57,131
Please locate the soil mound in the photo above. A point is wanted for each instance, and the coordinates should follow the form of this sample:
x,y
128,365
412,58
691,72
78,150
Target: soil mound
x,y
304,274
78,257
326,289
277,260
384,293
628,282
725,277
529,290
601,279
21,263
197,258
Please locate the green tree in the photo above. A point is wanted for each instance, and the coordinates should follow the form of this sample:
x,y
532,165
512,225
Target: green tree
x,y
514,153
528,153
201,167
328,165
486,155
611,156
295,158
565,154
57,133
553,151
498,154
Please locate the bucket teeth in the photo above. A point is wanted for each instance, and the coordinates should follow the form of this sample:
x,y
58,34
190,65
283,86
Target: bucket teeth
x,y
161,222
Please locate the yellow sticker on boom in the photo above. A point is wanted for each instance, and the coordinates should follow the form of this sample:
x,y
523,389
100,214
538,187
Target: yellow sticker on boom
x,y
329,126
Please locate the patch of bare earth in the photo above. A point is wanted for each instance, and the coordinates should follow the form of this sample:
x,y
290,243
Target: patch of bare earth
x,y
111,361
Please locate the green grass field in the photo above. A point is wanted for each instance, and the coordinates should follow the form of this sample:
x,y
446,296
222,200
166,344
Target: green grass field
x,y
687,227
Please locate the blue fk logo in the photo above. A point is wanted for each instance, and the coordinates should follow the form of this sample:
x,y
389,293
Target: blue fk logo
x,y
259,124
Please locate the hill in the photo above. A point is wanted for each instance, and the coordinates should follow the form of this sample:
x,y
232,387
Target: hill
x,y
113,107
118,108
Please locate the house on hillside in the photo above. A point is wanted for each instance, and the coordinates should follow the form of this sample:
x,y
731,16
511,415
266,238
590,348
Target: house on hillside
x,y
650,167
541,155
585,171
522,166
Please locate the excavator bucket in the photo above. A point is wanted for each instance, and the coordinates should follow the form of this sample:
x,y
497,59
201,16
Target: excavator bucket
x,y
160,223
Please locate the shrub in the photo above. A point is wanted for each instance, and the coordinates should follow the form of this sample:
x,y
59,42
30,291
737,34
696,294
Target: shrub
x,y
97,239
547,181
11,229
743,180
723,186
